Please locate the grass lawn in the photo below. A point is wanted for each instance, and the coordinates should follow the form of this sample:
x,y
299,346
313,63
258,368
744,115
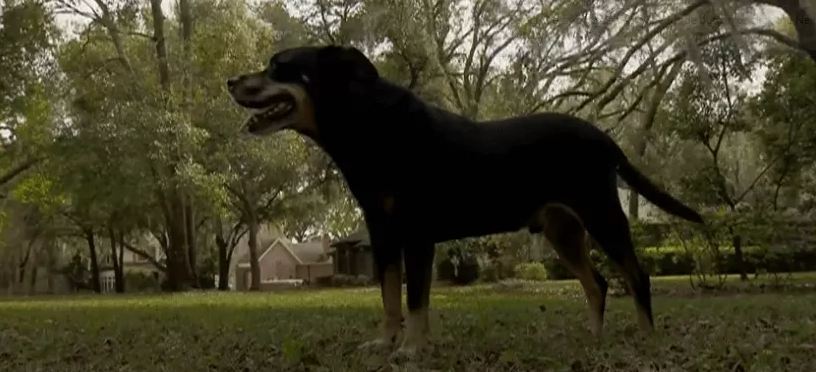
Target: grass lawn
x,y
531,327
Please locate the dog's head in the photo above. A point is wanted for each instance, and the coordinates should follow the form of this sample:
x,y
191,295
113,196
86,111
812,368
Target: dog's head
x,y
286,94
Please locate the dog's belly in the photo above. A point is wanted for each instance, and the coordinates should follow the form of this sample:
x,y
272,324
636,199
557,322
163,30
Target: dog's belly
x,y
448,221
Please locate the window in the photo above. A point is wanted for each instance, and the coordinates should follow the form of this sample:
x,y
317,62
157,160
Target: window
x,y
108,282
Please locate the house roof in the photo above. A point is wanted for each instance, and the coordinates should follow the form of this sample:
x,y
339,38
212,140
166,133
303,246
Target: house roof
x,y
310,252
303,253
359,237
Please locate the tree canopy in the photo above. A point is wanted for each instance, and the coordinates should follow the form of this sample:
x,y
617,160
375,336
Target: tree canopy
x,y
114,119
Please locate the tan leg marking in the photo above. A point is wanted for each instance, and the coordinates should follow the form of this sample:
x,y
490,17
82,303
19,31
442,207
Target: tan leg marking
x,y
392,306
565,231
417,328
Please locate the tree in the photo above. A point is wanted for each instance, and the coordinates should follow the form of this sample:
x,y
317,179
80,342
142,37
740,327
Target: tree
x,y
785,107
27,34
144,102
270,176
227,237
712,117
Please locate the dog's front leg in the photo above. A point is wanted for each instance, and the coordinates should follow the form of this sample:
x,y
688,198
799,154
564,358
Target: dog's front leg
x,y
419,273
391,290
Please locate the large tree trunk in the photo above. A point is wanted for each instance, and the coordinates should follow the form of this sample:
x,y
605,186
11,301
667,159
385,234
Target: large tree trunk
x,y
51,266
223,257
120,280
34,269
190,238
178,263
161,47
736,241
254,265
223,265
32,280
26,259
226,247
116,258
179,276
186,20
91,240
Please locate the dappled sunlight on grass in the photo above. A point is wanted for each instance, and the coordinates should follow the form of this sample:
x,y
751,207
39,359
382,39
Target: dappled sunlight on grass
x,y
515,326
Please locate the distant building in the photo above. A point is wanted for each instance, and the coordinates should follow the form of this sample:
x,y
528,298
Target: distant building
x,y
282,261
352,255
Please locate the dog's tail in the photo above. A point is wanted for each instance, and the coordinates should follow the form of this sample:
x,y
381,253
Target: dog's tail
x,y
654,194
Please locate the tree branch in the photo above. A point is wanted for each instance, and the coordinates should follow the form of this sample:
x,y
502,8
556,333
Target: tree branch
x,y
14,172
145,255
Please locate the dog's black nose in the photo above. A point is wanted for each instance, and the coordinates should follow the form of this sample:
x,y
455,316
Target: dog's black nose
x,y
231,82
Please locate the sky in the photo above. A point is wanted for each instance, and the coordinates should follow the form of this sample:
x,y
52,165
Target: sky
x,y
765,16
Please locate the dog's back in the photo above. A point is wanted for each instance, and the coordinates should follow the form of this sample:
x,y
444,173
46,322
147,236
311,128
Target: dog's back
x,y
489,177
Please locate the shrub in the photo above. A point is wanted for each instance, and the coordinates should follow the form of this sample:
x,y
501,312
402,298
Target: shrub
x,y
138,281
467,271
531,271
490,273
674,260
555,269
445,270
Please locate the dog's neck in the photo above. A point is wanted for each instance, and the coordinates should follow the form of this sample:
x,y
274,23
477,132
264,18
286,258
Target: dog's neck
x,y
384,119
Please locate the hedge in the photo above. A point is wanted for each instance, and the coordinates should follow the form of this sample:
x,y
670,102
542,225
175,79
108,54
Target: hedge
x,y
531,271
676,261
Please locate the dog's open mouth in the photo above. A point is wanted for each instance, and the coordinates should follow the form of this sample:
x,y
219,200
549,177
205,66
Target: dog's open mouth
x,y
274,115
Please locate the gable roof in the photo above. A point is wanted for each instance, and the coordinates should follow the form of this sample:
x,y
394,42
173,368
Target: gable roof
x,y
309,252
359,237
302,253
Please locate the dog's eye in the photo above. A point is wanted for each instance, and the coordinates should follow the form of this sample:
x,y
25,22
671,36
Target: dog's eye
x,y
273,71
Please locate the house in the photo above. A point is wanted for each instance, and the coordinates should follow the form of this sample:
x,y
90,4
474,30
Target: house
x,y
352,255
282,261
132,263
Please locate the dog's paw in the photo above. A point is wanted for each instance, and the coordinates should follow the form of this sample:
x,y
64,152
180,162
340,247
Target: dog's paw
x,y
376,345
403,355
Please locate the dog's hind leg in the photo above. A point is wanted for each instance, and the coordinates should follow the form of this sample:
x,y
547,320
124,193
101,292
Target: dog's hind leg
x,y
610,228
418,270
564,230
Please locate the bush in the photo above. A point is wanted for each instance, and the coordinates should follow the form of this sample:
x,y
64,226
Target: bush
x,y
673,260
138,281
556,270
490,273
467,271
531,271
445,270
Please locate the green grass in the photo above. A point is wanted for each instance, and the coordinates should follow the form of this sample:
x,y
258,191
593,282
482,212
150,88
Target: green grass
x,y
529,327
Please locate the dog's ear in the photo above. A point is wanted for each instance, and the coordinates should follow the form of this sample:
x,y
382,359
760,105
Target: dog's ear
x,y
351,62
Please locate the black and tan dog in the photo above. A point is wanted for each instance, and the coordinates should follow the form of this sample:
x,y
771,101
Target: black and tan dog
x,y
423,175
